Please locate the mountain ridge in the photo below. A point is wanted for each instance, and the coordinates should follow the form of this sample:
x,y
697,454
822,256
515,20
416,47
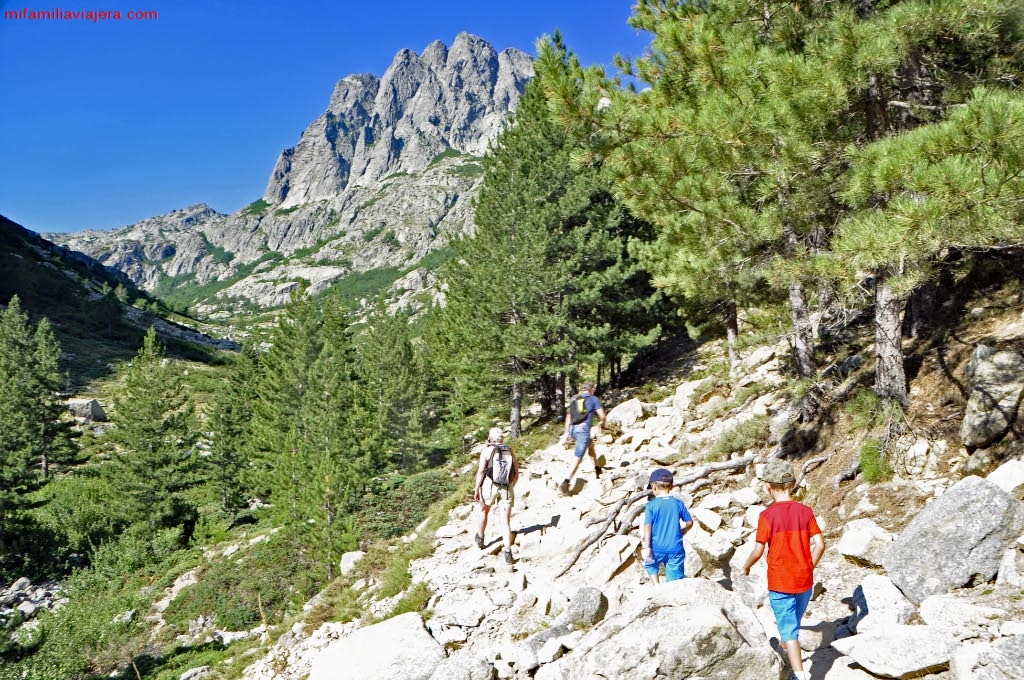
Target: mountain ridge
x,y
383,177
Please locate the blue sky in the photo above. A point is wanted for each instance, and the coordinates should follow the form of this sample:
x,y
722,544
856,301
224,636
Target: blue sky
x,y
105,123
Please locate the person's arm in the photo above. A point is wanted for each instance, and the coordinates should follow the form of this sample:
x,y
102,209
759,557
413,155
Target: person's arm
x,y
601,414
515,470
817,549
686,524
645,543
755,555
480,472
568,426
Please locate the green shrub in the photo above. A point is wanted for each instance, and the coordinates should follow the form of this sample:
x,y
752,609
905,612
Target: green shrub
x,y
864,409
748,434
264,580
83,512
874,464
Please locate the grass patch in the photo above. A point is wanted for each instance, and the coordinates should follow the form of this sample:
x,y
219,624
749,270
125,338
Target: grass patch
x,y
874,464
414,600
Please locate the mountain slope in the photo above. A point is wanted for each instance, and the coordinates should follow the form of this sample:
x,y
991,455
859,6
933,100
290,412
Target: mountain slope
x,y
87,304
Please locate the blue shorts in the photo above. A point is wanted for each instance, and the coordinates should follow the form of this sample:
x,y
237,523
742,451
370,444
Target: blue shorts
x,y
789,609
673,564
580,433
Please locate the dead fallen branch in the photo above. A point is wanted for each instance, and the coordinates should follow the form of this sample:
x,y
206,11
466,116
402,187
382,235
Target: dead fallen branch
x,y
810,465
706,470
596,536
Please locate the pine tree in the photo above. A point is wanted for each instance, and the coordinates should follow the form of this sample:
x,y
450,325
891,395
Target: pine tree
x,y
32,432
229,423
155,459
548,283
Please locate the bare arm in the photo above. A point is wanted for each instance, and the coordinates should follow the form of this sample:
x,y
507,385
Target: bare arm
x,y
817,549
601,414
755,555
645,543
686,526
480,472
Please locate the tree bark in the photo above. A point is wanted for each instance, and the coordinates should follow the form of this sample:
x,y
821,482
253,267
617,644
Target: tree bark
x,y
731,333
890,378
803,336
516,417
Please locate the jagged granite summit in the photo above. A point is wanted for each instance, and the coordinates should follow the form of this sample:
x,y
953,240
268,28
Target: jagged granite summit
x,y
424,105
382,178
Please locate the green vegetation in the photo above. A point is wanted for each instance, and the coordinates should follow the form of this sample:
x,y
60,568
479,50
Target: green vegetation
x,y
257,207
874,464
219,254
469,170
749,434
447,153
864,409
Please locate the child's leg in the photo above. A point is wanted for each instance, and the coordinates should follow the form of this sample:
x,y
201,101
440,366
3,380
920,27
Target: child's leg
x,y
786,606
674,567
653,569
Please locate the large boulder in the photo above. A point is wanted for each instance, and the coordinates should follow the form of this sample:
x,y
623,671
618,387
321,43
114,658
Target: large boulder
x,y
684,629
996,383
957,540
626,414
87,409
900,651
396,649
864,542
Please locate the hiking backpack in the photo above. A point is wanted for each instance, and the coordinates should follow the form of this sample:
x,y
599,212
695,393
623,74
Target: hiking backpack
x,y
501,465
578,409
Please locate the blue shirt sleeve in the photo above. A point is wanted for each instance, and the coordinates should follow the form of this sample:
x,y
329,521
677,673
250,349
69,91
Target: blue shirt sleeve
x,y
684,514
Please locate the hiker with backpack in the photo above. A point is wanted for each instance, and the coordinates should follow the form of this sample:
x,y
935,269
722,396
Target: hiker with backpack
x,y
579,418
496,478
790,532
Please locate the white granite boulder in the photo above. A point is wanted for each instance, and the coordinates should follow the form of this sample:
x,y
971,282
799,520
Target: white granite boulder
x,y
900,651
396,649
958,539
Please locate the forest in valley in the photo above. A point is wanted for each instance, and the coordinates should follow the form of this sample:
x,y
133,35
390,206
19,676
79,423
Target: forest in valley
x,y
771,169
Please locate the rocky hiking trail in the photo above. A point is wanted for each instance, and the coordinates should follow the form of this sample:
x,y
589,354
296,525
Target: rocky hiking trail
x,y
576,603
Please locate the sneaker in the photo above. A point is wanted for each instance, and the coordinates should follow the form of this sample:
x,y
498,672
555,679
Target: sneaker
x,y
479,541
507,554
564,486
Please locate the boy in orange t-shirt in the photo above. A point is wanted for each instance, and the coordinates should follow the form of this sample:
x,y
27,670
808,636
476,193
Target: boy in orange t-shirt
x,y
795,547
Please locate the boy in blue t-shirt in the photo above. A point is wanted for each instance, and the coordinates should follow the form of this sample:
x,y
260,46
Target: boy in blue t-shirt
x,y
666,519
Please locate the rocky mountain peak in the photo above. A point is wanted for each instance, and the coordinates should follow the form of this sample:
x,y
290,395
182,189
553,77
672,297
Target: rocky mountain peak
x,y
423,105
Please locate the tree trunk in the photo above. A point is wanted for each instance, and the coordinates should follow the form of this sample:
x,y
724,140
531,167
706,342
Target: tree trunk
x,y
890,378
560,396
803,337
516,416
731,333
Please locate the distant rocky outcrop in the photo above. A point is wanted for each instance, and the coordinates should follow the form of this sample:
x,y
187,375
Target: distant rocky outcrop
x,y
383,177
